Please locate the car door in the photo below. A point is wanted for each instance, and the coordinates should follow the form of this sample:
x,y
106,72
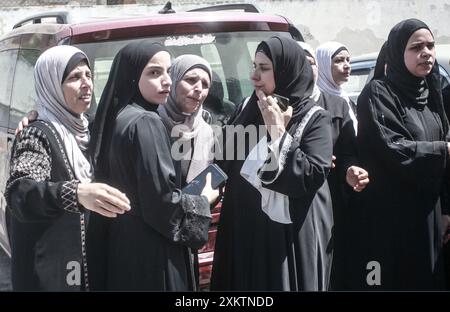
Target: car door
x,y
8,59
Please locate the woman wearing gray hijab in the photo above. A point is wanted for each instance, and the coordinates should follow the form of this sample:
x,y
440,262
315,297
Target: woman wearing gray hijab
x,y
193,137
182,115
49,192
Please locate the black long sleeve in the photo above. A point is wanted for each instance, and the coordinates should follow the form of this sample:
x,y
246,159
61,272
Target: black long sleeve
x,y
30,195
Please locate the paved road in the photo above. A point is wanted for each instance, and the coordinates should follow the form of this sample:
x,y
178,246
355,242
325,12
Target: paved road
x,y
5,271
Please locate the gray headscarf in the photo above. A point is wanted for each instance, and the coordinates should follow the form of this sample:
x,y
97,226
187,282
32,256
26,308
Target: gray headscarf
x,y
52,107
186,126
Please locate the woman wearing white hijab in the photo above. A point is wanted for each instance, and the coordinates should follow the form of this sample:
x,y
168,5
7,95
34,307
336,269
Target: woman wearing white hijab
x,y
334,70
49,192
345,160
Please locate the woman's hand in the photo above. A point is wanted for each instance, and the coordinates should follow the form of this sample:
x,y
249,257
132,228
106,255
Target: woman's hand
x,y
357,178
208,191
31,116
274,119
102,199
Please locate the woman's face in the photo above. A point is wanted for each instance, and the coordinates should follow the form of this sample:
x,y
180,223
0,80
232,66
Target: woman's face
x,y
340,67
192,90
263,76
420,53
155,82
77,89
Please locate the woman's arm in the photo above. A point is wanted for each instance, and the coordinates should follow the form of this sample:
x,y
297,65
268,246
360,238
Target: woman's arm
x,y
307,163
180,217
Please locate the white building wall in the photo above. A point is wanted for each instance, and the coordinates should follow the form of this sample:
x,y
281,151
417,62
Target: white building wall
x,y
362,25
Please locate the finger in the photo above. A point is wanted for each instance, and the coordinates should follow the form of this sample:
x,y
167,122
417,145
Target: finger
x,y
363,175
261,96
271,101
363,181
109,206
113,191
105,213
116,204
208,179
288,112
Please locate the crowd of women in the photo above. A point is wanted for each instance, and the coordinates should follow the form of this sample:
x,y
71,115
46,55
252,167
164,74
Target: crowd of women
x,y
329,188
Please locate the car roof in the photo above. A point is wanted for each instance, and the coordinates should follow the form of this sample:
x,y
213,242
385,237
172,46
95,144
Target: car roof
x,y
116,28
365,57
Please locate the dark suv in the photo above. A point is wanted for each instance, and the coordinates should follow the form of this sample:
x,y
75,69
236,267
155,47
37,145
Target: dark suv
x,y
226,39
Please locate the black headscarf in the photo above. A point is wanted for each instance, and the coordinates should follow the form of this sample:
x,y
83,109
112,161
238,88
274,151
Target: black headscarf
x,y
414,88
379,72
293,79
121,89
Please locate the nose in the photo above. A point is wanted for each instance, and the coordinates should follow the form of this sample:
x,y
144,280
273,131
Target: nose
x,y
198,86
86,82
254,74
166,81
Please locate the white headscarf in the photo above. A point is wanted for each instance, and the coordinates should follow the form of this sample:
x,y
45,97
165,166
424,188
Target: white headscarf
x,y
188,126
52,107
305,46
325,82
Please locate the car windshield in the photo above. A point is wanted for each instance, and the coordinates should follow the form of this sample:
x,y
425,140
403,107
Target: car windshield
x,y
230,55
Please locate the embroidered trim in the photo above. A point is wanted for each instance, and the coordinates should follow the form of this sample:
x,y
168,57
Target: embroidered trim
x,y
69,196
288,142
82,221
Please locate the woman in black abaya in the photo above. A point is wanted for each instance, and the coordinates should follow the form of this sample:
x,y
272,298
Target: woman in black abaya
x,y
276,219
403,141
148,250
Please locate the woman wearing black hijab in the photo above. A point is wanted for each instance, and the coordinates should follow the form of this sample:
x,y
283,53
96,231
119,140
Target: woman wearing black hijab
x,y
148,250
402,140
276,218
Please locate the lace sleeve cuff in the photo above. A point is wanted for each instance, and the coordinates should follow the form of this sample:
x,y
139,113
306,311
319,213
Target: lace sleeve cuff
x,y
194,225
69,197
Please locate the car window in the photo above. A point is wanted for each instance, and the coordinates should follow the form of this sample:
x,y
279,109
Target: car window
x,y
7,62
445,78
230,55
23,94
356,82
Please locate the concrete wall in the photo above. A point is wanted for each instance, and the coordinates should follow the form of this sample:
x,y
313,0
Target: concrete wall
x,y
362,25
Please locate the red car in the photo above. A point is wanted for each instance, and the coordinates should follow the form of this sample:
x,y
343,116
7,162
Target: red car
x,y
226,39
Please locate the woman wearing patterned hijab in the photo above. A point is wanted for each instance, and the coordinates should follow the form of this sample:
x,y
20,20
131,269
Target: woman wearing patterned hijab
x,y
49,191
276,218
148,248
403,141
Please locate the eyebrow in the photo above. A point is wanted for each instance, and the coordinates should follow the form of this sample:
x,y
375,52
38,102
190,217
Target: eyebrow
x,y
155,67
423,42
